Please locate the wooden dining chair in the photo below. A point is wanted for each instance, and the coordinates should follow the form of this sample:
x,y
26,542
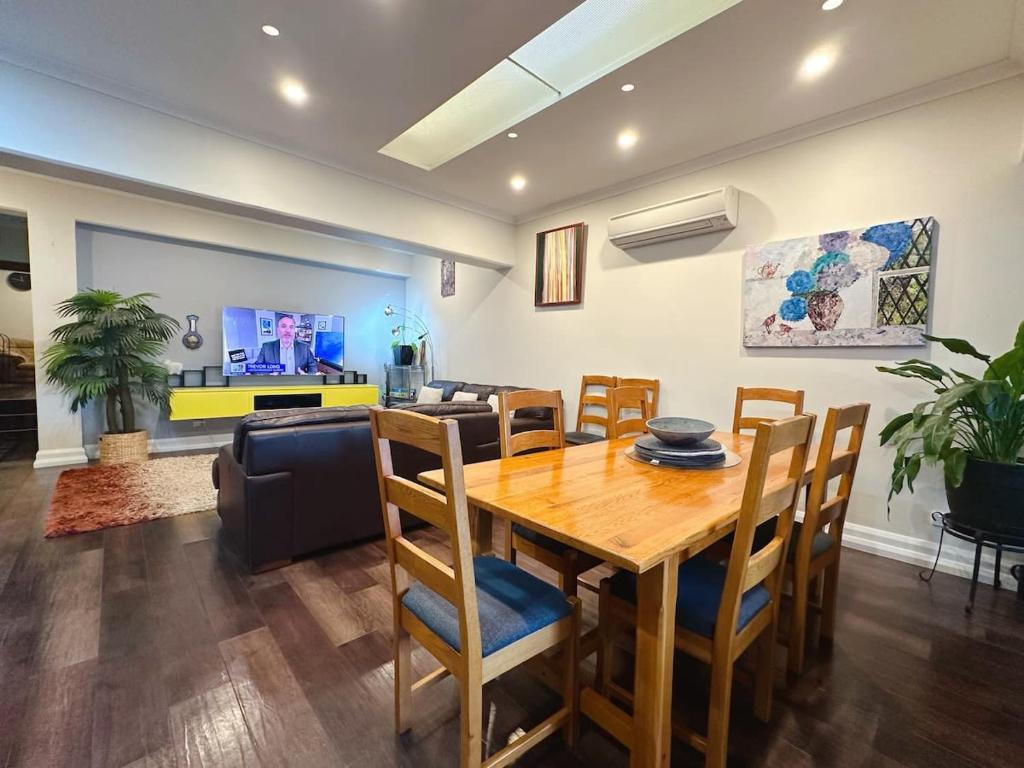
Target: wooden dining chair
x,y
815,551
627,398
593,409
567,562
480,617
721,610
740,422
653,387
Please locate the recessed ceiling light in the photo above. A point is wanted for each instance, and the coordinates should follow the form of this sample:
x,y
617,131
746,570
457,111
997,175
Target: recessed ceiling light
x,y
627,138
512,135
817,63
271,30
627,87
831,5
294,92
517,182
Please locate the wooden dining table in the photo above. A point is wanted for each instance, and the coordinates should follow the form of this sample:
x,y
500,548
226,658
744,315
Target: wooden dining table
x,y
643,518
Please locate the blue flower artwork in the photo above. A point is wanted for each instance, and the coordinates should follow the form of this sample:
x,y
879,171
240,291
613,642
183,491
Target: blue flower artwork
x,y
856,287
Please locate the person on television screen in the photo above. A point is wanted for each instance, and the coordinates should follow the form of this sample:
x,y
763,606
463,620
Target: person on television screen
x,y
296,356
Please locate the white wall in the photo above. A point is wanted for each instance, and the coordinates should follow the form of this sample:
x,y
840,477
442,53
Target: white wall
x,y
192,279
77,127
674,310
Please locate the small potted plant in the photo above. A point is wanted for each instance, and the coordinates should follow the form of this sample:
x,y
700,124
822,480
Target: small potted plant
x,y
111,350
403,353
974,428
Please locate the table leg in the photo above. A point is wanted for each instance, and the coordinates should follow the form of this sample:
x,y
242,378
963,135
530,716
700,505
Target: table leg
x,y
655,636
483,531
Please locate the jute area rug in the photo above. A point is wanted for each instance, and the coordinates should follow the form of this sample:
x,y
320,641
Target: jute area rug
x,y
105,496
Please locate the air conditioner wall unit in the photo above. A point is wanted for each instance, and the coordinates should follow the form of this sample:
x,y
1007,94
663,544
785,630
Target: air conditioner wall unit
x,y
713,211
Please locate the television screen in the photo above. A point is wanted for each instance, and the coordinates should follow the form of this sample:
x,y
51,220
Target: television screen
x,y
270,342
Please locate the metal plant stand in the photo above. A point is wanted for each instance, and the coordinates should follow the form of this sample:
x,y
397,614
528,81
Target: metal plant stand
x,y
981,539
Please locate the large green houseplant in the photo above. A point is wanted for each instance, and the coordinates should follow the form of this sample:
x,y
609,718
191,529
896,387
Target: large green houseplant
x,y
109,350
974,428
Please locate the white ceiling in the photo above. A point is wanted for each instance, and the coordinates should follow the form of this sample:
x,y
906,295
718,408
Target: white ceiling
x,y
375,67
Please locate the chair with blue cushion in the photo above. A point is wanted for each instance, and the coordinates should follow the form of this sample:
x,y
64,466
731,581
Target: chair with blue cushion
x,y
480,617
567,562
815,553
721,610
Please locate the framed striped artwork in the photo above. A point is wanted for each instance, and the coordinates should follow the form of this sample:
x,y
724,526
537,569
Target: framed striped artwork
x,y
559,276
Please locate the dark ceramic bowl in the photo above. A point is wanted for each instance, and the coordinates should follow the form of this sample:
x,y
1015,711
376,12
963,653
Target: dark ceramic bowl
x,y
676,430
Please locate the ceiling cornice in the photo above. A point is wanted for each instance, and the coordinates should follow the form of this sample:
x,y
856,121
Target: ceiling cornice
x,y
939,89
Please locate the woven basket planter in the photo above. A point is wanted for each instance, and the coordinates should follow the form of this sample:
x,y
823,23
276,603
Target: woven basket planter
x,y
128,448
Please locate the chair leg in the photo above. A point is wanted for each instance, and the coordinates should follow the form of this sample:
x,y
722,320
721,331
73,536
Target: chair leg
x,y
571,687
568,574
471,723
510,552
829,601
764,679
403,680
718,713
798,622
605,647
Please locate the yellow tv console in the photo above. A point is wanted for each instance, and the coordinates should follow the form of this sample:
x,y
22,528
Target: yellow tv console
x,y
227,402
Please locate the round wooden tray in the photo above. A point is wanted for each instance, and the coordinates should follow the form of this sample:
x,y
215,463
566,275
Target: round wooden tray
x,y
731,460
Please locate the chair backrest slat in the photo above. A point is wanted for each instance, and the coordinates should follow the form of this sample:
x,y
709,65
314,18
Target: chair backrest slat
x,y
426,568
823,509
448,511
653,387
424,503
740,422
627,398
508,402
590,400
762,501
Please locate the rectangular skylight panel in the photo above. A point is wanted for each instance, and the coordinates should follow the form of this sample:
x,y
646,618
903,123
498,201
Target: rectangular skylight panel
x,y
500,97
593,39
599,36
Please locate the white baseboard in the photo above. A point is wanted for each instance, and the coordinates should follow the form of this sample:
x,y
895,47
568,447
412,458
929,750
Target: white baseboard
x,y
59,457
957,556
170,444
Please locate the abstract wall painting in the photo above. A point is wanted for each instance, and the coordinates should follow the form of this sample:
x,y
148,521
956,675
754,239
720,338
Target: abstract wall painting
x,y
559,276
447,277
855,288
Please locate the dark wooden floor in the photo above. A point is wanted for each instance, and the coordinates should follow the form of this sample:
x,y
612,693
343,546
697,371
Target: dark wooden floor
x,y
147,646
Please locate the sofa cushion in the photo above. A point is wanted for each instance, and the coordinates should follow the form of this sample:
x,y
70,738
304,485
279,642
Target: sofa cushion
x,y
449,387
511,604
482,391
443,410
294,417
465,397
429,395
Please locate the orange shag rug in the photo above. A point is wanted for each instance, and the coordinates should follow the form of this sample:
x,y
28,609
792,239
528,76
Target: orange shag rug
x,y
108,495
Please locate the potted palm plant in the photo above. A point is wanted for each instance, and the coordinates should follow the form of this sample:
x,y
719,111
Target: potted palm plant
x,y
974,428
109,351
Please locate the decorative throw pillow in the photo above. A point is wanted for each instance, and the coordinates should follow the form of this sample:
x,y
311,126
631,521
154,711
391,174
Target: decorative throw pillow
x,y
493,402
463,397
429,395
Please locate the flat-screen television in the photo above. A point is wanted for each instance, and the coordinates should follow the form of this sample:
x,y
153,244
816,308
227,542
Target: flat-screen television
x,y
273,342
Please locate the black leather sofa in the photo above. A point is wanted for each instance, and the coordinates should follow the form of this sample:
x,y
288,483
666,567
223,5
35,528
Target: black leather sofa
x,y
301,480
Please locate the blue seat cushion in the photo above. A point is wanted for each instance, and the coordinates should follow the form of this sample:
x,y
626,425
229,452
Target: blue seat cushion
x,y
700,593
582,438
512,604
821,542
540,539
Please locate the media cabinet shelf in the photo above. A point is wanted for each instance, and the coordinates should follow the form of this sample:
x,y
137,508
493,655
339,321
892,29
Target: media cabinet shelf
x,y
228,402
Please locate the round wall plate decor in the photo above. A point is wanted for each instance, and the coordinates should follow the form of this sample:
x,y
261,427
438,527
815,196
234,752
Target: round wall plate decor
x,y
20,281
